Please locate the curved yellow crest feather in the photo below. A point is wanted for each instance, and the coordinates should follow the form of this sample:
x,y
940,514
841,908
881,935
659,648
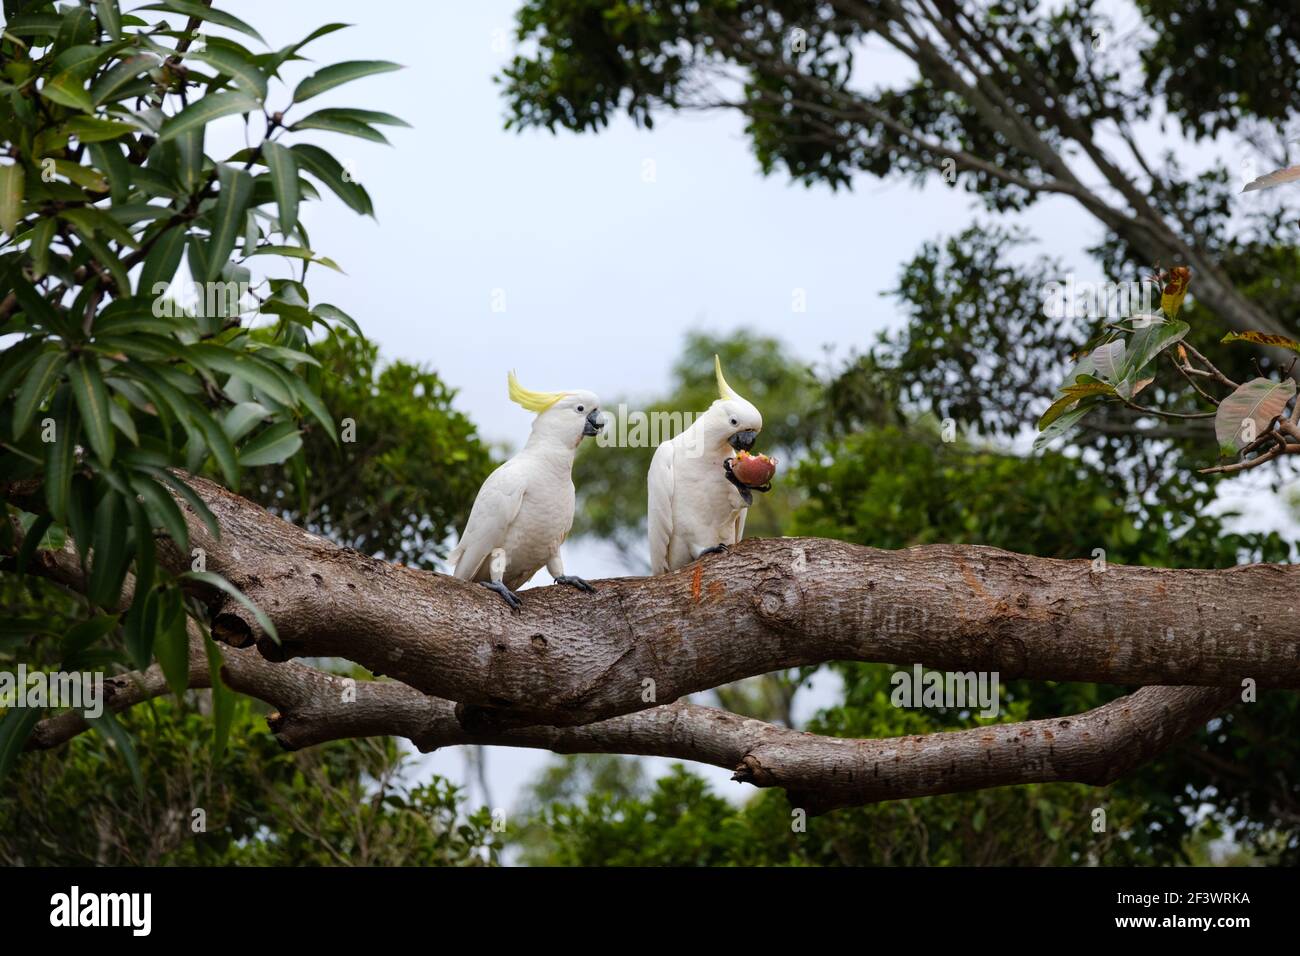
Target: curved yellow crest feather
x,y
725,391
527,398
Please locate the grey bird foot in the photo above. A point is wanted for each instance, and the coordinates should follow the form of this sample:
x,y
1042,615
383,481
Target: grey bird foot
x,y
507,595
716,549
573,581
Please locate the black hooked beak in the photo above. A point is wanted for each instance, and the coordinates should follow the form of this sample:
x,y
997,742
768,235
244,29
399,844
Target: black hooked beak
x,y
743,441
594,424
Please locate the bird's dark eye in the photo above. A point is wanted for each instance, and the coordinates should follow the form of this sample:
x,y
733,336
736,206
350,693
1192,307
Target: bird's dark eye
x,y
734,422
580,408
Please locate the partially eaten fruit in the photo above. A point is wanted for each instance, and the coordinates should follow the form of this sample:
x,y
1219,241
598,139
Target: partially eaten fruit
x,y
753,470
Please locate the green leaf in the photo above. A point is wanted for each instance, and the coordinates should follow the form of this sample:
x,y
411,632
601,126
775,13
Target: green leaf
x,y
11,197
112,730
92,400
223,699
1145,344
327,169
69,89
82,636
232,64
1245,414
272,446
110,18
163,261
123,422
338,124
236,188
162,505
45,371
39,250
90,129
61,455
107,156
141,626
338,74
119,76
16,360
217,581
1062,426
109,563
357,116
172,642
297,252
15,727
284,177
220,447
204,111
243,418
1056,410
197,504
335,314
189,156
193,9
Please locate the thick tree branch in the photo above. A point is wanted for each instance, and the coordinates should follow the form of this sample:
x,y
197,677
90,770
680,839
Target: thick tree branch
x,y
572,658
819,773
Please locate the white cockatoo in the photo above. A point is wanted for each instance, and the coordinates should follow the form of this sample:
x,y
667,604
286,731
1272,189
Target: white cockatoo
x,y
696,505
524,510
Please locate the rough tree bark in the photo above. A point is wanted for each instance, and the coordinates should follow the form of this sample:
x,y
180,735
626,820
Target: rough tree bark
x,y
569,672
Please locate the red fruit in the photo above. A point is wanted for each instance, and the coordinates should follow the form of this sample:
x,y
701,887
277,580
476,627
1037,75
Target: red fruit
x,y
753,470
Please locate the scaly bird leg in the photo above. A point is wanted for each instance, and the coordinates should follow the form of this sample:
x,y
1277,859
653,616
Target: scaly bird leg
x,y
497,569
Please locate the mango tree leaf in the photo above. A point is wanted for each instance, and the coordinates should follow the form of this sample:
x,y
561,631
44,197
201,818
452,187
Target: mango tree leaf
x,y
272,446
112,730
284,177
223,699
1062,426
1246,413
338,74
1108,359
92,400
1263,338
201,10
172,642
236,188
217,581
11,197
110,18
61,454
15,727
45,371
239,68
203,111
243,418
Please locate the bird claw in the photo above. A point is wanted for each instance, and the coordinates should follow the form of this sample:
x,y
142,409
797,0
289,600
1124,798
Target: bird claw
x,y
716,549
507,595
573,581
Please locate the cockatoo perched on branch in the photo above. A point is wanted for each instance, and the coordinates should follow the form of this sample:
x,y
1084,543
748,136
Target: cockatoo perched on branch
x,y
524,510
696,505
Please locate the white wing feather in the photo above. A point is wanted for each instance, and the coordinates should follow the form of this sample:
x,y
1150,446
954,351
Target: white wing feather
x,y
659,512
494,511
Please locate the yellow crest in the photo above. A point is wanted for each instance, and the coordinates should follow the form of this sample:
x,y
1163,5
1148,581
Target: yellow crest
x,y
526,398
725,391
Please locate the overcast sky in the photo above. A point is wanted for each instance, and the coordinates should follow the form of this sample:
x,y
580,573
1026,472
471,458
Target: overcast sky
x,y
602,272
